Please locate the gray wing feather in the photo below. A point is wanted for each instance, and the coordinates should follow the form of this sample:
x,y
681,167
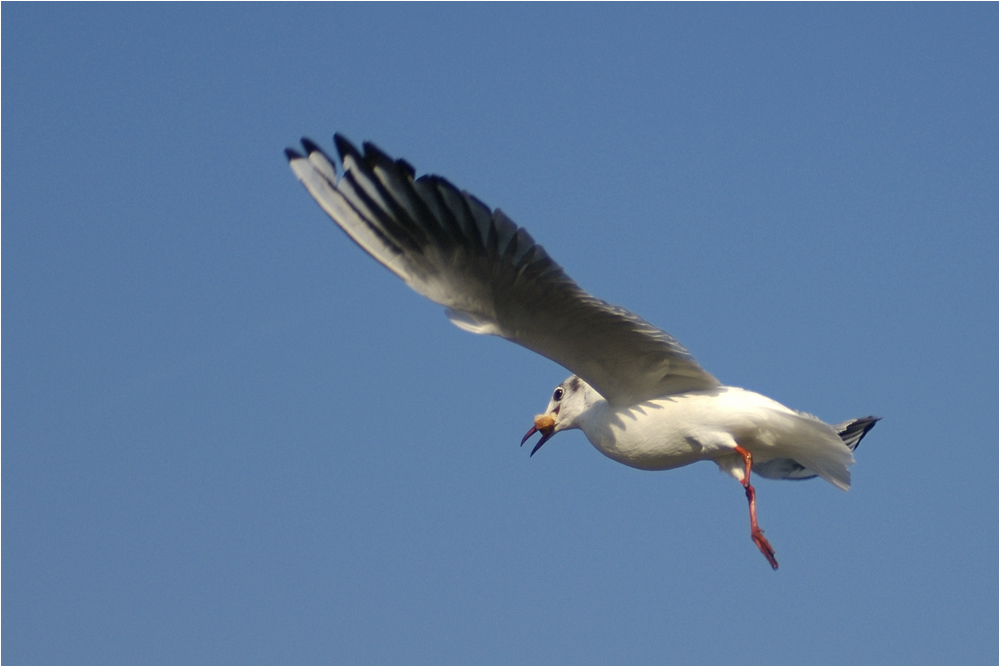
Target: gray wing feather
x,y
490,274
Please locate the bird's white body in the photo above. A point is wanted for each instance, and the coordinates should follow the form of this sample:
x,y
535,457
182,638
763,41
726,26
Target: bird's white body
x,y
707,425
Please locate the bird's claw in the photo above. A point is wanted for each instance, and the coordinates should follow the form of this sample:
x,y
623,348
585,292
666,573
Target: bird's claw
x,y
765,547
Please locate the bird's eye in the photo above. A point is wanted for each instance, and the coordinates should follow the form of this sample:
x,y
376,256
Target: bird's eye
x,y
557,396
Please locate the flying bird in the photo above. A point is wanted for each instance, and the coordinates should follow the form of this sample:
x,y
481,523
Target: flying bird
x,y
636,392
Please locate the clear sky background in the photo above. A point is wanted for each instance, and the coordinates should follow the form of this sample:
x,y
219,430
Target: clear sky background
x,y
231,436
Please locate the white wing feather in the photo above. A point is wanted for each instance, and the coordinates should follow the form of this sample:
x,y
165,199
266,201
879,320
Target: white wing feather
x,y
491,275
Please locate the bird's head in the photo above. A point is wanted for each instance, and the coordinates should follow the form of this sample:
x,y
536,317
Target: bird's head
x,y
569,401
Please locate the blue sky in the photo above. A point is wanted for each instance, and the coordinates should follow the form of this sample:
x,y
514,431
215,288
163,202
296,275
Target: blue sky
x,y
229,436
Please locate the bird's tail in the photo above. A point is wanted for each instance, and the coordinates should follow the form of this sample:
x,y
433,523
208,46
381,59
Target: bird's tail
x,y
850,432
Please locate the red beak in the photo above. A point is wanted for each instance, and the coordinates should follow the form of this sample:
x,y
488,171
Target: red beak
x,y
546,434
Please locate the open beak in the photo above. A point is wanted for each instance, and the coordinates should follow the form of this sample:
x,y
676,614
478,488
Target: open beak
x,y
544,424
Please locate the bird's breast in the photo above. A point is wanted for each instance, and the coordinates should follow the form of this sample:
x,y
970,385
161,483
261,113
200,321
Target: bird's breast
x,y
654,435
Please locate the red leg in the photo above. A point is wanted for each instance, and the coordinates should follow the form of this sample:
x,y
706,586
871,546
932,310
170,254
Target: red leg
x,y
755,532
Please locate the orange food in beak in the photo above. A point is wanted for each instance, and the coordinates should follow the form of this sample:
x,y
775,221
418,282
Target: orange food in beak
x,y
545,423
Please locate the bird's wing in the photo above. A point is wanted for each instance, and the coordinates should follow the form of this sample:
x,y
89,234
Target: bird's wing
x,y
491,275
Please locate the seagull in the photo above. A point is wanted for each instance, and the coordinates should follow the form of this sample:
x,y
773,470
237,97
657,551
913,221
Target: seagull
x,y
636,392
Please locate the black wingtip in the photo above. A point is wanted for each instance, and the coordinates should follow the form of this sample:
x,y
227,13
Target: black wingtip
x,y
856,429
376,156
407,167
345,148
310,145
867,424
292,154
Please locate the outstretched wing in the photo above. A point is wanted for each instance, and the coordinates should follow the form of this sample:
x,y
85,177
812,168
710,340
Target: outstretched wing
x,y
491,275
